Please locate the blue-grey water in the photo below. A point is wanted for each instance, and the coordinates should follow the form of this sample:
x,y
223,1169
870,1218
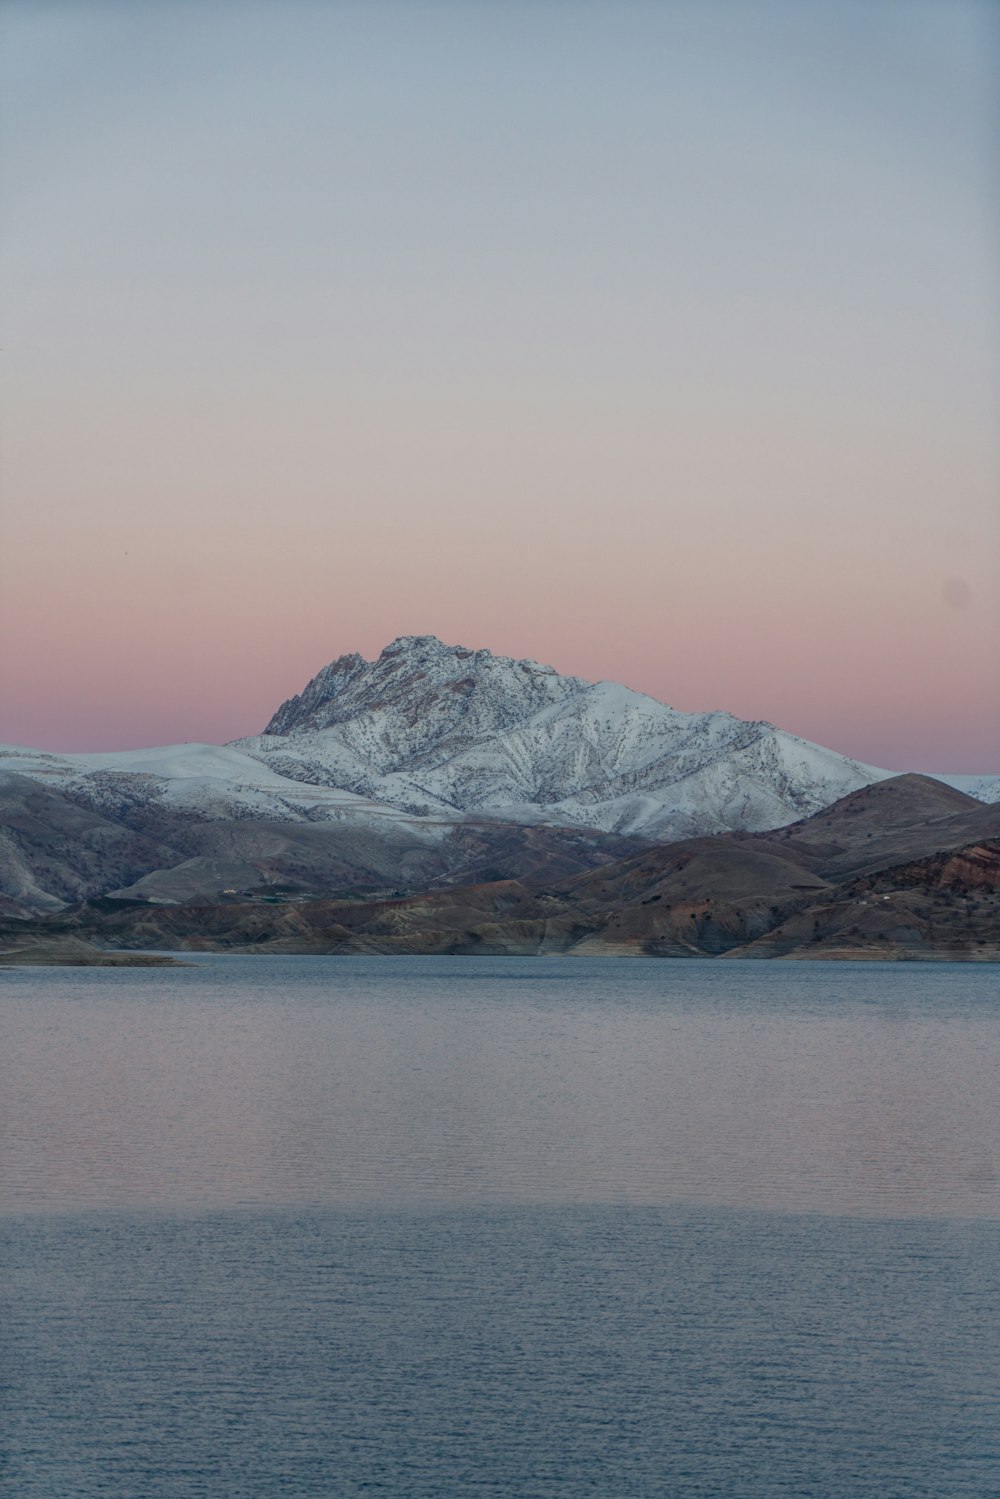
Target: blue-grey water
x,y
309,1227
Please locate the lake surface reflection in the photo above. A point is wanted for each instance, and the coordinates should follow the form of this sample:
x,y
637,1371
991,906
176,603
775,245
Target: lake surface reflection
x,y
856,1088
432,1228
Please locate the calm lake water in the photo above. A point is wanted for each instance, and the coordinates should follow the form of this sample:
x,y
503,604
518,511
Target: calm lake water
x,y
309,1227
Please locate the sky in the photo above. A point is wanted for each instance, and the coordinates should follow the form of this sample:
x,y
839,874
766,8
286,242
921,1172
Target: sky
x,y
658,341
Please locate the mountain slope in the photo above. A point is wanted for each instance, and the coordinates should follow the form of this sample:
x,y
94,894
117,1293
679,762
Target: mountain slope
x,y
431,728
732,895
199,822
907,817
53,850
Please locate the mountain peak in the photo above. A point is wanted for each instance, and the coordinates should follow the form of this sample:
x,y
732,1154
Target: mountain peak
x,y
435,728
421,643
417,645
428,685
430,647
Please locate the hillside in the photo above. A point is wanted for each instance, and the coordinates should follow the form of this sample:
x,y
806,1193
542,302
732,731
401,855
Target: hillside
x,y
840,884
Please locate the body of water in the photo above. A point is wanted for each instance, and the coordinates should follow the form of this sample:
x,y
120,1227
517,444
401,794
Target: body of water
x,y
433,1227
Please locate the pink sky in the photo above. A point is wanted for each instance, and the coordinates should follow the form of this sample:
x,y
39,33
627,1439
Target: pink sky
x,y
665,352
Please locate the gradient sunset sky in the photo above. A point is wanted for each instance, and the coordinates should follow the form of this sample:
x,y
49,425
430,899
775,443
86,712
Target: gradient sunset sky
x,y
658,341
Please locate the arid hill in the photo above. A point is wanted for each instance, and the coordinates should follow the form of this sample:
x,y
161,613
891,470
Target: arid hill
x,y
906,868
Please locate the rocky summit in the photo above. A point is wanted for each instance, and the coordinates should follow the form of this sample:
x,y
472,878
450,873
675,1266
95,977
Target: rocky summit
x,y
431,728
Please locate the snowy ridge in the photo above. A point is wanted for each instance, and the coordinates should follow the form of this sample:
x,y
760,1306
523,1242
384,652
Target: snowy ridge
x,y
428,736
434,729
213,781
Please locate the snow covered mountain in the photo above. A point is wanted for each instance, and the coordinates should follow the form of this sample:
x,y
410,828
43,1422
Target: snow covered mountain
x,y
432,766
439,730
210,781
203,823
193,820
